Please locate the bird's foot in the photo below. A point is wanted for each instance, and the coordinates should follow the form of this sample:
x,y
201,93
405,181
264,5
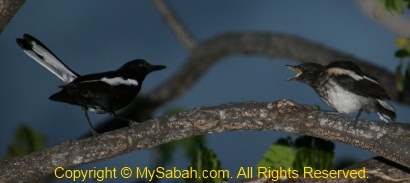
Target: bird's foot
x,y
353,123
131,125
95,134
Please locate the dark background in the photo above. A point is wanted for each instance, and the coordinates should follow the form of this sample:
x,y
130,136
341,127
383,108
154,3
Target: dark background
x,y
95,36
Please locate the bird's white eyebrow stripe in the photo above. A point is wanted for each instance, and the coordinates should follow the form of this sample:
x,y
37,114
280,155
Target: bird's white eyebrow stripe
x,y
116,81
339,71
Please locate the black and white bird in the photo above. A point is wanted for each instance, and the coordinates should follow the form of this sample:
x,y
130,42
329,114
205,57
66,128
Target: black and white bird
x,y
347,89
104,92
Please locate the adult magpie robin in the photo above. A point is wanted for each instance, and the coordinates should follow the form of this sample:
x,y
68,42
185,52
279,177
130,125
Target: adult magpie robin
x,y
104,92
347,89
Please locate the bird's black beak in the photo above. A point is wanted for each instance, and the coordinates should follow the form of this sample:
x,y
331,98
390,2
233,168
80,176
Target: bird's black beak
x,y
157,67
296,69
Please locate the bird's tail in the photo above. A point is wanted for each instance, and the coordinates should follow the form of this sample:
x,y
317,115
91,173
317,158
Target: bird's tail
x,y
41,54
385,111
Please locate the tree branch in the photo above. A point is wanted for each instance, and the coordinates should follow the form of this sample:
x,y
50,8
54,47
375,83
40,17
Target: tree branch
x,y
179,29
390,141
207,53
8,8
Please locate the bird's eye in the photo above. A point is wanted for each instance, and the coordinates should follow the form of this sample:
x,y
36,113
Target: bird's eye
x,y
304,68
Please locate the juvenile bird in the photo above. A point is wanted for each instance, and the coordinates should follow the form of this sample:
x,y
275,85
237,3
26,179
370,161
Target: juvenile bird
x,y
104,92
347,89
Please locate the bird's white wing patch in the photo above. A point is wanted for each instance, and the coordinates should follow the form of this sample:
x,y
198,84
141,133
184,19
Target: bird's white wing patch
x,y
119,81
339,71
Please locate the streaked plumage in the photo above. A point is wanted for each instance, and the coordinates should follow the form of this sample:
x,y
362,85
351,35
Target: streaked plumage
x,y
347,89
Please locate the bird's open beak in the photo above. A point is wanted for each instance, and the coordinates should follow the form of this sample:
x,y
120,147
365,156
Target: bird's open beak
x,y
297,70
157,67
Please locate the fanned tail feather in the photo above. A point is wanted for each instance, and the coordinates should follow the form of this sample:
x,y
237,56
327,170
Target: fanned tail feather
x,y
385,111
40,53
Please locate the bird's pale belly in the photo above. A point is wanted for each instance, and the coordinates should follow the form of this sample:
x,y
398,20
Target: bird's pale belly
x,y
345,101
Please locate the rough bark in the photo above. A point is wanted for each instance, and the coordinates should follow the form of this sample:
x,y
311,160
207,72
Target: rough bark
x,y
390,141
8,8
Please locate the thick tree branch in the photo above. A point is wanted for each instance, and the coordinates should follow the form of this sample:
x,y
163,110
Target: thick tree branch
x,y
205,54
390,141
8,8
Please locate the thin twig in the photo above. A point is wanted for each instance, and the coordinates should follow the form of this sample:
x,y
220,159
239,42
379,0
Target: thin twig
x,y
175,24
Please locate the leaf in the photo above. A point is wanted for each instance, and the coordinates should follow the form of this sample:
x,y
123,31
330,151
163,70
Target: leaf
x,y
401,53
407,75
399,78
26,139
205,159
313,152
402,42
315,158
393,6
278,156
305,151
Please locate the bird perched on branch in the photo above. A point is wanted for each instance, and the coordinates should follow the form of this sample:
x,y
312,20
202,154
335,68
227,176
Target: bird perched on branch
x,y
347,89
104,92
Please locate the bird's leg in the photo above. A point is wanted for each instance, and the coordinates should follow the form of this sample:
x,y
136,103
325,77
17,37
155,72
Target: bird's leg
x,y
89,122
357,116
354,122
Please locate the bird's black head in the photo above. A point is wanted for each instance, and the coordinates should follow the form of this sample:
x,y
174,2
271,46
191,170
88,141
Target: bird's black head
x,y
306,72
141,66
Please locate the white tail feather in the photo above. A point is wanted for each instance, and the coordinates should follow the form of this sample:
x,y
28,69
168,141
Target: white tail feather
x,y
386,105
383,117
45,58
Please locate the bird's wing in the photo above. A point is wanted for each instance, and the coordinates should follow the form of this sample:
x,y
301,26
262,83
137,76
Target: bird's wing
x,y
110,78
107,91
40,53
354,80
107,83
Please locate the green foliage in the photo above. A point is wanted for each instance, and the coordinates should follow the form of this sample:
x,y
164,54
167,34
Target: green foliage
x,y
313,152
403,68
205,159
279,155
304,151
26,139
394,6
402,74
